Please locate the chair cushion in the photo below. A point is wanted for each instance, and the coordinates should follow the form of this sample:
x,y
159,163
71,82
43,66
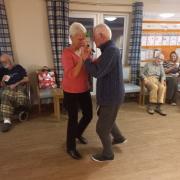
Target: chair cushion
x,y
46,78
45,93
179,87
126,74
131,88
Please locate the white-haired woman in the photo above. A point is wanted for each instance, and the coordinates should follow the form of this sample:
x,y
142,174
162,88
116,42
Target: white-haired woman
x,y
76,89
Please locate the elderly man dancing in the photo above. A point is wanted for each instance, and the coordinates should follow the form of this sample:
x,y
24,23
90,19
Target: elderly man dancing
x,y
154,78
110,90
12,78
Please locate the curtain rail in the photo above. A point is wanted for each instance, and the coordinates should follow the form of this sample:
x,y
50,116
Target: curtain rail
x,y
104,4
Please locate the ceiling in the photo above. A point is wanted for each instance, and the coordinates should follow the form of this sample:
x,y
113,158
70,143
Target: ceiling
x,y
129,1
152,8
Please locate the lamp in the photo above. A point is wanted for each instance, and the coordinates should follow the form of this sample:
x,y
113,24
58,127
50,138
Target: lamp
x,y
110,18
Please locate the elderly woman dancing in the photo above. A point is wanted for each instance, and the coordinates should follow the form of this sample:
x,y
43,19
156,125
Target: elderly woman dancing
x,y
76,89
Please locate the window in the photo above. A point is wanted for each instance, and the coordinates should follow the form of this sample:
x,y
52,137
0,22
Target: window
x,y
118,24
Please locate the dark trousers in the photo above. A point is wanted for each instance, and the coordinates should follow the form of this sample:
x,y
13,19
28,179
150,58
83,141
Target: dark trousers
x,y
172,83
106,126
73,102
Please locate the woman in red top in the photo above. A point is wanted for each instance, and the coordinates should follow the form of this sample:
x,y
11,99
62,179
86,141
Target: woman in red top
x,y
76,89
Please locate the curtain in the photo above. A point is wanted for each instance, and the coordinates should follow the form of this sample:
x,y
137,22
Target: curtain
x,y
58,19
135,41
5,42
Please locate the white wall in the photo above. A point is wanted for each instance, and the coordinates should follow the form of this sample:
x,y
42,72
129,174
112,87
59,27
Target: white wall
x,y
29,31
28,25
102,5
167,6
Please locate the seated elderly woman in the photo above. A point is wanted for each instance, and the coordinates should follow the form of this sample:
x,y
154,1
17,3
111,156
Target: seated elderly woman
x,y
154,78
12,78
171,68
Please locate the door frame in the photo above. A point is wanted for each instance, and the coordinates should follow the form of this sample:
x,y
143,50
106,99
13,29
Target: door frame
x,y
99,18
125,32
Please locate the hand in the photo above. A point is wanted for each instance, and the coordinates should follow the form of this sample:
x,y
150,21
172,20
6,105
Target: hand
x,y
83,43
13,86
6,78
173,67
177,65
163,82
2,84
145,81
85,53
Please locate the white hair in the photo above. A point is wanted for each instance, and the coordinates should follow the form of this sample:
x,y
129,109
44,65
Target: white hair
x,y
76,28
103,29
159,55
7,56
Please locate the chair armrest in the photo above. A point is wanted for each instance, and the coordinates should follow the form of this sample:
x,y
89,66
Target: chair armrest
x,y
142,85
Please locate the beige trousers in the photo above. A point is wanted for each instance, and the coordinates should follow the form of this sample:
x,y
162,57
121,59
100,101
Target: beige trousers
x,y
157,90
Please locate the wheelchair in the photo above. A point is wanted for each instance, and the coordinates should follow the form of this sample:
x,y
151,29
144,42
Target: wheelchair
x,y
22,112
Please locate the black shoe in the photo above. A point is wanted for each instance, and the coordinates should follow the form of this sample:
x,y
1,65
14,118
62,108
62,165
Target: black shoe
x,y
6,127
119,141
74,154
101,158
82,140
160,111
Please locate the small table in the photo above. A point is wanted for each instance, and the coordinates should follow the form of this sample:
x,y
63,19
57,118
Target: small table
x,y
57,98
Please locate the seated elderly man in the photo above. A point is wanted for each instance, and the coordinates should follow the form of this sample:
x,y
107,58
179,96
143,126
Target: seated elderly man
x,y
12,78
154,78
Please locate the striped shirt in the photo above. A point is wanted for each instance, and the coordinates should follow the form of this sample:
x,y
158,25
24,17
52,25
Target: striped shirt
x,y
169,64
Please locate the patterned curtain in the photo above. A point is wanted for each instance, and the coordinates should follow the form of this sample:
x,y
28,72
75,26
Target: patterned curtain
x,y
58,18
135,41
5,42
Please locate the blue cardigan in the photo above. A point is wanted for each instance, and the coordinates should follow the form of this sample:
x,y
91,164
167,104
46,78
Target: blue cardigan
x,y
108,71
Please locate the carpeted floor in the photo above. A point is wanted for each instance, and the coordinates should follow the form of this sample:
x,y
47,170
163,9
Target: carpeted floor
x,y
35,150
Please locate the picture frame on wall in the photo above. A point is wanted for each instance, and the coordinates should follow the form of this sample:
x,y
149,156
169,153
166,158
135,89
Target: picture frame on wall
x,y
156,53
166,40
150,40
173,40
178,40
144,40
158,40
143,54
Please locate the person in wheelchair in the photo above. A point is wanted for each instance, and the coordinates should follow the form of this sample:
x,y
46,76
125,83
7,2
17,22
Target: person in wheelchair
x,y
154,79
12,79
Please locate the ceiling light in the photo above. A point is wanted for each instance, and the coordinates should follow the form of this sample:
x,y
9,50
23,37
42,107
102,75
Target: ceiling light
x,y
166,15
110,18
